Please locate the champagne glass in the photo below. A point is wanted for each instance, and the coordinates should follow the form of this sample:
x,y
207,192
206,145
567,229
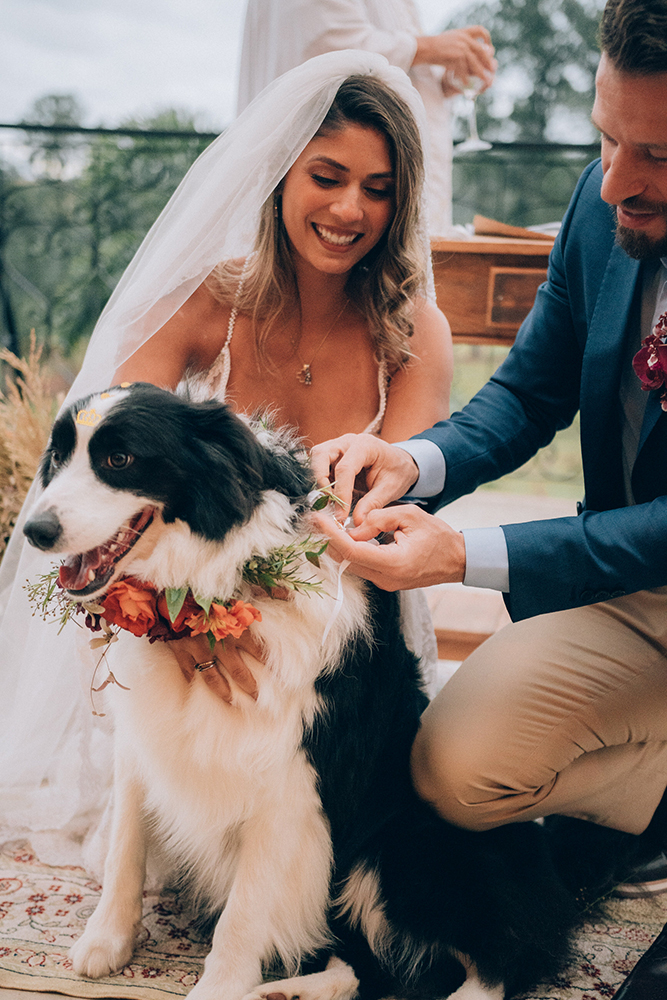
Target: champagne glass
x,y
471,87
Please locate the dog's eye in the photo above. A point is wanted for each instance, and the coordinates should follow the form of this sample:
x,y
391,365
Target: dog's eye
x,y
118,460
56,459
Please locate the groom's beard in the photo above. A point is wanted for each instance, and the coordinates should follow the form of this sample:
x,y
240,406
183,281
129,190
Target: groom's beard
x,y
636,243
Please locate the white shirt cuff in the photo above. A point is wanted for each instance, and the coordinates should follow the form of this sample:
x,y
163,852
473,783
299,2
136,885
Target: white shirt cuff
x,y
431,464
487,560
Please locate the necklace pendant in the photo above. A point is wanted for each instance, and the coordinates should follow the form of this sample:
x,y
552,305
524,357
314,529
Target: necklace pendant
x,y
304,375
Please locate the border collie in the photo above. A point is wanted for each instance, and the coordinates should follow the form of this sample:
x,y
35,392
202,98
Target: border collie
x,y
291,817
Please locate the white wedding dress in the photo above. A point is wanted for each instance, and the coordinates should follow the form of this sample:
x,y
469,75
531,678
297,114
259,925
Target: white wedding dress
x,y
55,756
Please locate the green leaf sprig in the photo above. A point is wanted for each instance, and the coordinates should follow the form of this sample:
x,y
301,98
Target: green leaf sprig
x,y
49,601
280,569
325,496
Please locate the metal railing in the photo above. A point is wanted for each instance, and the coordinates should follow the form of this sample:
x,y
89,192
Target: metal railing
x,y
522,184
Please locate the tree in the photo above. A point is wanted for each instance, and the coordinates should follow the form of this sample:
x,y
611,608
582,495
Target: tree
x,y
52,151
547,55
124,187
12,218
67,236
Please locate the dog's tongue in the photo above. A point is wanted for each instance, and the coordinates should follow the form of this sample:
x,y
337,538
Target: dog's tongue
x,y
73,573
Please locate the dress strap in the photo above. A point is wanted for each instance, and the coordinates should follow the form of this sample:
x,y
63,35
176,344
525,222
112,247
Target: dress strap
x,y
375,425
218,374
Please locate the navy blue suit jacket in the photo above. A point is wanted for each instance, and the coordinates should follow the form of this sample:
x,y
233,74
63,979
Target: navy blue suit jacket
x,y
567,357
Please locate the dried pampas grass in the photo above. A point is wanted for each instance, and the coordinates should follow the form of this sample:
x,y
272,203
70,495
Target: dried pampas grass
x,y
27,410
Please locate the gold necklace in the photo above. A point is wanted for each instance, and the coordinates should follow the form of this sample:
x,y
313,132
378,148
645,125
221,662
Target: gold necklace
x,y
304,374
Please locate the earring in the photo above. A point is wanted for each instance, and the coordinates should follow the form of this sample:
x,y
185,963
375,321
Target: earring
x,y
275,206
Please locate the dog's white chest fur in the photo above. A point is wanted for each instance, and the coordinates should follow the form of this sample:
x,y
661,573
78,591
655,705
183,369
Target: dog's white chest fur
x,y
211,771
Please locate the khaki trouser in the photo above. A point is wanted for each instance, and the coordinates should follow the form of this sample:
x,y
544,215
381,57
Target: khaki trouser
x,y
563,713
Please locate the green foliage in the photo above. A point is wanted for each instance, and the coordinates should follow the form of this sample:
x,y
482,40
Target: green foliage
x,y
523,187
49,601
51,151
281,568
547,55
65,240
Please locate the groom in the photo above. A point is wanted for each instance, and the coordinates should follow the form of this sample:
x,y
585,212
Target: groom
x,y
565,710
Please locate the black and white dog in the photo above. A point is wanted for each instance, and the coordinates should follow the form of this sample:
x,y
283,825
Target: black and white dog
x,y
291,816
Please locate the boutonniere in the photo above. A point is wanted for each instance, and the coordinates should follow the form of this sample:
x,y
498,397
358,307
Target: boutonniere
x,y
650,361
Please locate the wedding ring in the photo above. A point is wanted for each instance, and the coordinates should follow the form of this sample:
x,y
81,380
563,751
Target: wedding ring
x,y
206,665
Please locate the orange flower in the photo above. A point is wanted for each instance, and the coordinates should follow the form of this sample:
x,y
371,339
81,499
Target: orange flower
x,y
245,615
132,604
222,622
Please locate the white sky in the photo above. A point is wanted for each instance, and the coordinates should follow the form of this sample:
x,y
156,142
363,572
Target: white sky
x,y
125,58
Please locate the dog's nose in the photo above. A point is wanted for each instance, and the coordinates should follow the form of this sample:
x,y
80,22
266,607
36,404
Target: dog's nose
x,y
44,530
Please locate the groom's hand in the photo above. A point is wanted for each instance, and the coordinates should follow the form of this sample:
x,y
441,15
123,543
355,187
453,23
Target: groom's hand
x,y
388,472
424,551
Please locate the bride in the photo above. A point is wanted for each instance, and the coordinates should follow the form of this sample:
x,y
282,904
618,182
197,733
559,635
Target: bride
x,y
289,271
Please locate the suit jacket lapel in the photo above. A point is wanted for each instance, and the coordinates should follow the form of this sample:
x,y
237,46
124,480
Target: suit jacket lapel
x,y
600,378
651,414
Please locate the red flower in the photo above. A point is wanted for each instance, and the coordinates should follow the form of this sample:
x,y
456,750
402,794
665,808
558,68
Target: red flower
x,y
650,361
132,604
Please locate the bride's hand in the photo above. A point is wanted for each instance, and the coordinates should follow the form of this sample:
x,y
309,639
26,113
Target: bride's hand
x,y
228,665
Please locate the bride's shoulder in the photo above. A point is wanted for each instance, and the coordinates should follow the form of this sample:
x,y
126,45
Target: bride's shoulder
x,y
429,321
196,332
201,310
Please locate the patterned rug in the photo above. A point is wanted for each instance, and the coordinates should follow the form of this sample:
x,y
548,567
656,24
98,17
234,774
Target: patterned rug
x,y
44,909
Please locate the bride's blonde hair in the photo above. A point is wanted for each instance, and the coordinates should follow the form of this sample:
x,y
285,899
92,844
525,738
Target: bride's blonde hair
x,y
385,282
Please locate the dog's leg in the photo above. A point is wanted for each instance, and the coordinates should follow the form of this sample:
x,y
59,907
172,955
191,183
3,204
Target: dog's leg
x,y
474,989
108,941
278,902
337,982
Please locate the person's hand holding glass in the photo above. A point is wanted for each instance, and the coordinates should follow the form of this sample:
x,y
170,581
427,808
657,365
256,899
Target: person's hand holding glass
x,y
470,79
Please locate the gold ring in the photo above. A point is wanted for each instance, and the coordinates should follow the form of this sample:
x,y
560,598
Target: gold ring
x,y
206,666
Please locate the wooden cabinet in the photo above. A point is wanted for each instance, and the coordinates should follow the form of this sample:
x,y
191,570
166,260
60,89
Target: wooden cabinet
x,y
486,285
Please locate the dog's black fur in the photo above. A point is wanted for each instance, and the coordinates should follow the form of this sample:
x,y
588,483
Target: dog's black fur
x,y
493,896
206,467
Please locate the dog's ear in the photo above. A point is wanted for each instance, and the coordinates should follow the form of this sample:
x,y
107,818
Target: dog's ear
x,y
200,461
287,468
234,470
60,447
288,473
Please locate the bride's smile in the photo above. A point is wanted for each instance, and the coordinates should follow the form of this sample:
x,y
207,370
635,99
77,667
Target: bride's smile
x,y
336,238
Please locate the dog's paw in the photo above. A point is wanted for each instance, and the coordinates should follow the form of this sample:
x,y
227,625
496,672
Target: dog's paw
x,y
337,982
212,988
96,955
